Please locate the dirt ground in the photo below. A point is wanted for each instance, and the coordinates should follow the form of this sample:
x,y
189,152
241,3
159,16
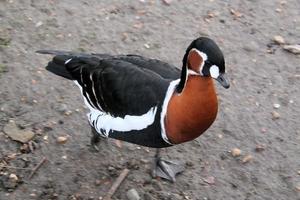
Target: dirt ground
x,y
258,115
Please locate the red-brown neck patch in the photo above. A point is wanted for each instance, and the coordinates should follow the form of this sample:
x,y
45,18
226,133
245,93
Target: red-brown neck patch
x,y
195,60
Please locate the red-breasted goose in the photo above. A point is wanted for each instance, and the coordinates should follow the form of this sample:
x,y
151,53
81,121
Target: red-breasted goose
x,y
146,101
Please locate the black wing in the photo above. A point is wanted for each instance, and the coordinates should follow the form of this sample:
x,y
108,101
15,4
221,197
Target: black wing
x,y
164,69
118,87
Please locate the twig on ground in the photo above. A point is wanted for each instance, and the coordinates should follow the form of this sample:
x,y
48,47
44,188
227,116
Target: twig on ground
x,y
116,184
37,167
11,167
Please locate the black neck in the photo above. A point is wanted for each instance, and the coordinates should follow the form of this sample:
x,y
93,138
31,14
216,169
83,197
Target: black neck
x,y
183,77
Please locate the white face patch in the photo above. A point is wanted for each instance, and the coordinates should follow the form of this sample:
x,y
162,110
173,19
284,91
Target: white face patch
x,y
214,71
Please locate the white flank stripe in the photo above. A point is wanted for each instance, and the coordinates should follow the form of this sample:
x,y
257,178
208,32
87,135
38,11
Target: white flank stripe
x,y
163,114
128,123
106,122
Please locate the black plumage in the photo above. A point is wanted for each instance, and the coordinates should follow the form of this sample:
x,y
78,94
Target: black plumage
x,y
119,86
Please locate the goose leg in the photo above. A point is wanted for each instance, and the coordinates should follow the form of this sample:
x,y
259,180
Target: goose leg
x,y
165,169
95,139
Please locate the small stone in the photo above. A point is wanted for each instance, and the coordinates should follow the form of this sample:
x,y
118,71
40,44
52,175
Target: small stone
x,y
98,182
62,140
247,158
278,39
236,152
39,24
283,3
45,138
132,194
11,182
263,130
167,2
295,49
68,113
275,115
209,180
13,177
235,13
298,188
278,10
298,172
111,168
147,46
276,105
62,108
260,147
11,130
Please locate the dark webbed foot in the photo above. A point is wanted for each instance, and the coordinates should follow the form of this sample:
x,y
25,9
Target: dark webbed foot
x,y
95,139
166,169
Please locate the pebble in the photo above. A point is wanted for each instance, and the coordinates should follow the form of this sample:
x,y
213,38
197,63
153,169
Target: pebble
x,y
236,152
247,158
209,180
260,147
61,139
278,39
251,46
13,177
298,188
132,194
40,23
147,46
11,130
295,49
11,182
276,105
62,108
275,115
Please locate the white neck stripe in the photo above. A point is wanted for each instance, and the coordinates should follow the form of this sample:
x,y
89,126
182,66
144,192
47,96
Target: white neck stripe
x,y
163,114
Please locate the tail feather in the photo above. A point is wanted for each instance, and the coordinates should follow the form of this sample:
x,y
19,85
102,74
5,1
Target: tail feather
x,y
57,65
61,67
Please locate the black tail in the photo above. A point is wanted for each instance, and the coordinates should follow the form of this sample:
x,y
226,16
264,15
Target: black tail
x,y
58,63
61,67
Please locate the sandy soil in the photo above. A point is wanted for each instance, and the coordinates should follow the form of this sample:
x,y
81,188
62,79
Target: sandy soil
x,y
261,72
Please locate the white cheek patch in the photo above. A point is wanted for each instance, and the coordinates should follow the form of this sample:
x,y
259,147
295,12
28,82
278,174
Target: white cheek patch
x,y
214,71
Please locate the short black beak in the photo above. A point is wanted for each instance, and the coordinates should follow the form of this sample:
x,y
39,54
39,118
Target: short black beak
x,y
223,80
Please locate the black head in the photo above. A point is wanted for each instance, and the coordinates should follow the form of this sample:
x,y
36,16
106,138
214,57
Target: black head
x,y
204,57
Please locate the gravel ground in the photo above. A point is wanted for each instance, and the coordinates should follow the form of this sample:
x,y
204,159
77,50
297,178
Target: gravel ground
x,y
259,115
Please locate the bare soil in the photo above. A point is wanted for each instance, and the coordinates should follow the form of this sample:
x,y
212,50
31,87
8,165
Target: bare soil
x,y
261,72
